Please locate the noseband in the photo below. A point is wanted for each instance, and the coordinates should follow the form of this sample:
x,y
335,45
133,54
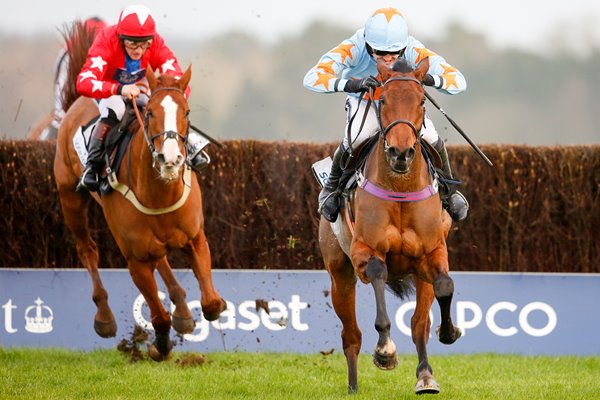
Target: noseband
x,y
384,131
169,134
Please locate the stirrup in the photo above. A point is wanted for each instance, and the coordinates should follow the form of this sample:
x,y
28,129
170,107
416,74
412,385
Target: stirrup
x,y
199,161
89,187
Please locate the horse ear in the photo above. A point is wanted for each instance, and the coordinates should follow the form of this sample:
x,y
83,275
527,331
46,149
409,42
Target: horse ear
x,y
384,71
185,78
422,68
152,80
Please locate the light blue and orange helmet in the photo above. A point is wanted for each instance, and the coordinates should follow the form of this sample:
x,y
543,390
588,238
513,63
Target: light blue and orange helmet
x,y
386,30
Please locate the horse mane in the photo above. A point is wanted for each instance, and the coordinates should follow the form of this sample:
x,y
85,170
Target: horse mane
x,y
402,65
78,41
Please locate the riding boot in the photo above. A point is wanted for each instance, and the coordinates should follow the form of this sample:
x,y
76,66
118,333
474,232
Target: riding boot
x,y
329,204
457,205
90,178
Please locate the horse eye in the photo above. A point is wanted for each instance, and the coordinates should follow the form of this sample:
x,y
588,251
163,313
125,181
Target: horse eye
x,y
187,113
381,99
423,101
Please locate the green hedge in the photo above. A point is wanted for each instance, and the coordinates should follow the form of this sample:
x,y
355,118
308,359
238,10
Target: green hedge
x,y
537,210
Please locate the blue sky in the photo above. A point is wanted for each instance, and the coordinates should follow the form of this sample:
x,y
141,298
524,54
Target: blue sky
x,y
536,25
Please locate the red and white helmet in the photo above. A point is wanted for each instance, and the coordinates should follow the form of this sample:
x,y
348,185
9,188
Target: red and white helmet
x,y
386,30
137,23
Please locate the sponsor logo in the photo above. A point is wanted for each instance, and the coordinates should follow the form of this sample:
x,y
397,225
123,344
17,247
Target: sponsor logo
x,y
469,315
503,318
38,317
243,316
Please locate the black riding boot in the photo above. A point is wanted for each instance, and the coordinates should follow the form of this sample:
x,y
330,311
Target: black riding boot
x,y
329,204
457,206
90,178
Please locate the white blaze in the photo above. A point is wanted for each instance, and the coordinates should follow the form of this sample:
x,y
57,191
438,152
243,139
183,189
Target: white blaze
x,y
170,148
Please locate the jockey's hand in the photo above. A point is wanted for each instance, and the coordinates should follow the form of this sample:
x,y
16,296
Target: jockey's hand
x,y
131,91
362,85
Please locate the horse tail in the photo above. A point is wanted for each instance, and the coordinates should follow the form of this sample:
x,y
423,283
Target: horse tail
x,y
403,287
78,41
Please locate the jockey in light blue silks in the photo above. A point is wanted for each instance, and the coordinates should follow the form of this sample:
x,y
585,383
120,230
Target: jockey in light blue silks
x,y
351,67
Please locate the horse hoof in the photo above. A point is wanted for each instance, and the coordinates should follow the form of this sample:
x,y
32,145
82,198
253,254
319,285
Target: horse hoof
x,y
427,385
183,325
105,329
448,339
157,355
212,315
385,362
353,389
160,350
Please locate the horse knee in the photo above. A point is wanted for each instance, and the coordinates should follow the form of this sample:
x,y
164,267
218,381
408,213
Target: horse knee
x,y
376,269
443,286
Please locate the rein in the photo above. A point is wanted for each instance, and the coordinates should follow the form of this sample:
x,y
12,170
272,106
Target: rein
x,y
127,192
384,194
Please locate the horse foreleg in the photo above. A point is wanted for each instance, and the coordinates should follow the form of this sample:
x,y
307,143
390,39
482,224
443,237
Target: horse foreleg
x,y
420,325
142,274
212,304
75,206
385,351
443,287
343,296
182,316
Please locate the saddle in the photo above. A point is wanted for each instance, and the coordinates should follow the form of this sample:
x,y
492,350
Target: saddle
x,y
116,144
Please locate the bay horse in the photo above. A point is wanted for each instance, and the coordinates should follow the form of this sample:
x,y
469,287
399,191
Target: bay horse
x,y
170,215
398,236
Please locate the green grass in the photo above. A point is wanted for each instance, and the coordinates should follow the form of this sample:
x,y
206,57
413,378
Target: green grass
x,y
108,374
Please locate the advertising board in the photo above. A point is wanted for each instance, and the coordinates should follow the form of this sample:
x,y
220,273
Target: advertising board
x,y
497,312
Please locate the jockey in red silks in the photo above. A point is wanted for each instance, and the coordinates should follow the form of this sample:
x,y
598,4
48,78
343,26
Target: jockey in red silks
x,y
116,61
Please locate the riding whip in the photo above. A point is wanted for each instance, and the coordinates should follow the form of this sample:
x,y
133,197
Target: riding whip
x,y
210,139
464,135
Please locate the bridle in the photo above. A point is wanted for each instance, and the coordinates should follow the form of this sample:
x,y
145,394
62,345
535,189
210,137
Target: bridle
x,y
126,190
384,131
381,192
168,134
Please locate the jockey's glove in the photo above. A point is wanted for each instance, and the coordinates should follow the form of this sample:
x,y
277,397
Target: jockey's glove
x,y
428,80
361,85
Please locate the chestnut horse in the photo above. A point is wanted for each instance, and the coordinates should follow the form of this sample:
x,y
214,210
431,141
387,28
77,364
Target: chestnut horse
x,y
399,233
168,214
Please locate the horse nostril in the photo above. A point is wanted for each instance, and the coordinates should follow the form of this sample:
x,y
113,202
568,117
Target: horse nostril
x,y
161,158
410,153
179,159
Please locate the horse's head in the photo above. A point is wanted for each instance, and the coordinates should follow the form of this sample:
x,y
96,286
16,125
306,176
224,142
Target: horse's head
x,y
402,112
166,122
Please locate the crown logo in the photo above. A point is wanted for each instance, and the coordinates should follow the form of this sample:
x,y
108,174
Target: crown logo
x,y
39,321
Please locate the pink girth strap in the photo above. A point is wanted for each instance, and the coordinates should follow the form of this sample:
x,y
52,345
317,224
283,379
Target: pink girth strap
x,y
384,194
